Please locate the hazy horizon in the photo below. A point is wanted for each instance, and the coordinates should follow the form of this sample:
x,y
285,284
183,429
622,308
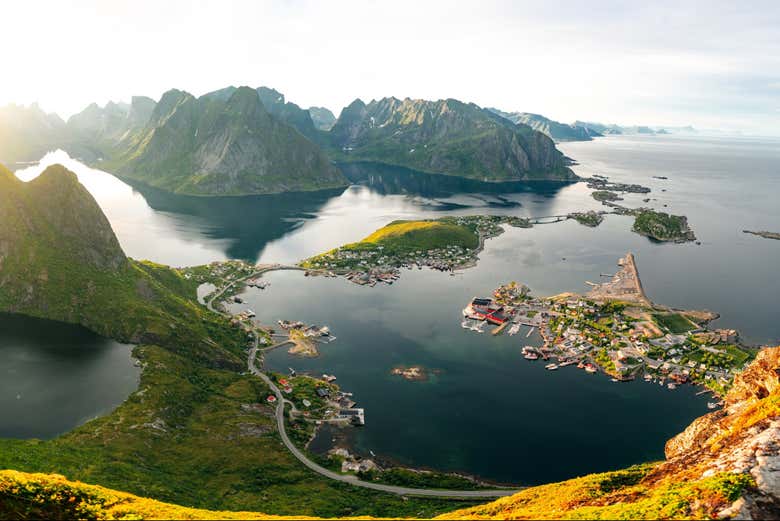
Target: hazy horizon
x,y
709,65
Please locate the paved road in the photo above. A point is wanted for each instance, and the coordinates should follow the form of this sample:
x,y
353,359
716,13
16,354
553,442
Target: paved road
x,y
350,479
353,480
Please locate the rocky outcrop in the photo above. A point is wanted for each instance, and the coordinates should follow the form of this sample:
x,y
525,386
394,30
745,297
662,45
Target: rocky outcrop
x,y
742,438
322,117
446,137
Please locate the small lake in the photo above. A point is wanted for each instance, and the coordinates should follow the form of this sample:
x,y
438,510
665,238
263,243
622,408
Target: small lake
x,y
56,376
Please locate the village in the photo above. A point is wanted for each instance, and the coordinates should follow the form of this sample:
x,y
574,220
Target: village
x,y
369,264
625,338
315,400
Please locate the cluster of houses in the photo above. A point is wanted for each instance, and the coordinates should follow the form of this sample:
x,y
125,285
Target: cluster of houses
x,y
574,333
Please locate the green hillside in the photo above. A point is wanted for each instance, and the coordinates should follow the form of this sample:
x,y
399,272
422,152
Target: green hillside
x,y
446,137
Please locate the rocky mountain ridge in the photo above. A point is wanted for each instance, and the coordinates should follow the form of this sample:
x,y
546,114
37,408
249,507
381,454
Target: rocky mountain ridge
x,y
448,137
224,144
553,129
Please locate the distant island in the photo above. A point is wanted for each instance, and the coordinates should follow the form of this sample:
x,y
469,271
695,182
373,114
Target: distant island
x,y
557,131
764,234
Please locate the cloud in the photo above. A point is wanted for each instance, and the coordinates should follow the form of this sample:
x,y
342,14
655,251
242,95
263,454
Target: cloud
x,y
664,62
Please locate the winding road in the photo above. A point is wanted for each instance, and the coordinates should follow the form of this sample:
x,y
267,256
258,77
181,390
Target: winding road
x,y
350,479
343,478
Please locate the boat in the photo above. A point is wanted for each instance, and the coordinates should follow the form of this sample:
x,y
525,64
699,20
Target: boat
x,y
514,329
589,368
671,386
531,356
551,367
648,378
712,405
614,380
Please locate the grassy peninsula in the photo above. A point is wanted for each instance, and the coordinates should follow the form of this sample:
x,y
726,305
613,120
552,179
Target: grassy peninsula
x,y
444,244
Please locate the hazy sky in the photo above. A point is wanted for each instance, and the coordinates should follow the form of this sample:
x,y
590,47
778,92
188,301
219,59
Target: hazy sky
x,y
709,64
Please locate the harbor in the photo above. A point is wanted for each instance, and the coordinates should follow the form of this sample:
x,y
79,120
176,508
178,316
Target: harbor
x,y
615,329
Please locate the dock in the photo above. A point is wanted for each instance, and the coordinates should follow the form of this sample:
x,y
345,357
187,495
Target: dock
x,y
500,329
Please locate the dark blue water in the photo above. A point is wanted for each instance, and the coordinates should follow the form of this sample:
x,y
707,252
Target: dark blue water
x,y
55,376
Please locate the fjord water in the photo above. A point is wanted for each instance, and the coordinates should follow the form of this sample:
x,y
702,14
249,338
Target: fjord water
x,y
488,411
55,376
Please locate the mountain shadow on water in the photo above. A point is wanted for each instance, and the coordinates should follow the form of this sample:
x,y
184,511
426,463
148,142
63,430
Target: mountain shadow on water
x,y
389,180
246,223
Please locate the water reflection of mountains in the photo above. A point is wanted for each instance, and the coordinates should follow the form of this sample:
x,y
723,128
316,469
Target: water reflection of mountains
x,y
249,222
393,180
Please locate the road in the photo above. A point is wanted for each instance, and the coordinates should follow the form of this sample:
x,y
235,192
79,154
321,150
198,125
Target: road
x,y
350,479
344,478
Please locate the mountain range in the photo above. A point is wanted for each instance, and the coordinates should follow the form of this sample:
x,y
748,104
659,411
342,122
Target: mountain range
x,y
554,129
241,141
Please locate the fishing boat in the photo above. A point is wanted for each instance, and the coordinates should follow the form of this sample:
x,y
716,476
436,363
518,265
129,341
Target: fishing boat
x,y
614,380
589,368
551,367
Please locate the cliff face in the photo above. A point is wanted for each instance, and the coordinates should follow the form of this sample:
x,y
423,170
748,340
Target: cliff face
x,y
225,143
446,136
743,438
322,118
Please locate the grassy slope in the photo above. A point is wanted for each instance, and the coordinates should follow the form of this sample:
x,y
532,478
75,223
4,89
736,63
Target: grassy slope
x,y
674,322
408,236
615,495
61,261
423,235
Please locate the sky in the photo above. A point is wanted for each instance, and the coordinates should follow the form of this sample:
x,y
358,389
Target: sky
x,y
668,63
